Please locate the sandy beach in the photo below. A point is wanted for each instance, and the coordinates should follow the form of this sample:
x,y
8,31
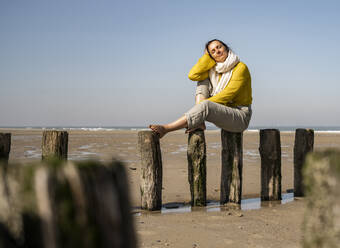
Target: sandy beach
x,y
269,225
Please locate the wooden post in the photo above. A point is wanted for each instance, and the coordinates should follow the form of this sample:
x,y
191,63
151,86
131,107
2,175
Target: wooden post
x,y
321,174
197,171
5,146
6,239
304,143
54,144
232,163
73,205
270,151
151,170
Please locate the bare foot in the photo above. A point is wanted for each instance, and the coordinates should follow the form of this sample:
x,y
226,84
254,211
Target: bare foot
x,y
159,129
200,127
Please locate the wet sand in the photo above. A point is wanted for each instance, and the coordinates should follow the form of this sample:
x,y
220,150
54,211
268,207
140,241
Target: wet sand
x,y
275,226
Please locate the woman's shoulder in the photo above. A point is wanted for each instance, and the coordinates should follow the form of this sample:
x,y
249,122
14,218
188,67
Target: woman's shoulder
x,y
241,66
241,69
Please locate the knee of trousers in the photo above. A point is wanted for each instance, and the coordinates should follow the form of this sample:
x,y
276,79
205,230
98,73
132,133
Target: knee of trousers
x,y
203,110
203,88
198,114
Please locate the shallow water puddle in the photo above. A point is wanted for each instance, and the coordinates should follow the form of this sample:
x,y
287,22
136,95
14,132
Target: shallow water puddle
x,y
214,206
256,203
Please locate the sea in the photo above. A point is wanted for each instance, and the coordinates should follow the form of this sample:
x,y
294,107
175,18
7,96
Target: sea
x,y
330,129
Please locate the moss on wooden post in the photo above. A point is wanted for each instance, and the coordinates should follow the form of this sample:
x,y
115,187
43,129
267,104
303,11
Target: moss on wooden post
x,y
151,170
304,143
54,144
270,151
232,164
5,146
321,174
197,171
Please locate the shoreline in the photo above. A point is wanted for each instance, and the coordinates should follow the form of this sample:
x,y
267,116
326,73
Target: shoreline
x,y
133,129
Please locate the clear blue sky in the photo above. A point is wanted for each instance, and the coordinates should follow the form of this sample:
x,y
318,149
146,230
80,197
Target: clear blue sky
x,y
113,63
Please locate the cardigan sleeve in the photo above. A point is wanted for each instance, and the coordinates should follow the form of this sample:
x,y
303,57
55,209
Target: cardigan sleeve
x,y
200,70
237,82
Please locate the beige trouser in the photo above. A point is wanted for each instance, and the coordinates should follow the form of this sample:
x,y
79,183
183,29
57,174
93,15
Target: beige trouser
x,y
232,119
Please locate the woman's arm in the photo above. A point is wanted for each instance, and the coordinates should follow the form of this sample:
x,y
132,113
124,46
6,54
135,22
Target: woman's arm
x,y
200,70
239,80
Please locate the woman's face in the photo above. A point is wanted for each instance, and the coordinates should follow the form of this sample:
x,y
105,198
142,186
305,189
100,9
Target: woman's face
x,y
218,51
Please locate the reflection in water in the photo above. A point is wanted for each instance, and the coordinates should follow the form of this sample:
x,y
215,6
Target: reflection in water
x,y
175,208
256,203
214,206
250,204
289,197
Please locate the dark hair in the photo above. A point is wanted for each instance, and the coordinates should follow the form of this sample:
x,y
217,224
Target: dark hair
x,y
208,43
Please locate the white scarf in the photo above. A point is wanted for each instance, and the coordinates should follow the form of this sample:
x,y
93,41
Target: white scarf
x,y
226,68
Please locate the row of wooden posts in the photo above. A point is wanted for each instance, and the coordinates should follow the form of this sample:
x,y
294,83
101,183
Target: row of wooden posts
x,y
55,143
232,164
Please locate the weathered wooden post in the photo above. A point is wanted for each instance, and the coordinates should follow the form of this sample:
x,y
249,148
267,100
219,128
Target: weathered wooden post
x,y
54,144
151,170
270,151
232,164
304,143
5,146
321,174
197,170
69,205
6,239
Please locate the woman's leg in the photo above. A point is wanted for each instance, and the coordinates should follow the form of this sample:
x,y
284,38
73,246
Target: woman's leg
x,y
202,90
227,118
202,93
173,126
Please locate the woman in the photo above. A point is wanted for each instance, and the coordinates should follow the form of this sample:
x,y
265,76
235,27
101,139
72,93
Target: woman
x,y
223,94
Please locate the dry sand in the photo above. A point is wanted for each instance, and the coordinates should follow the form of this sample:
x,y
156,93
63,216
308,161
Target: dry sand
x,y
269,226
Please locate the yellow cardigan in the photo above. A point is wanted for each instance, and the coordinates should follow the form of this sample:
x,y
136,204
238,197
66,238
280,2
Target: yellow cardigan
x,y
238,90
